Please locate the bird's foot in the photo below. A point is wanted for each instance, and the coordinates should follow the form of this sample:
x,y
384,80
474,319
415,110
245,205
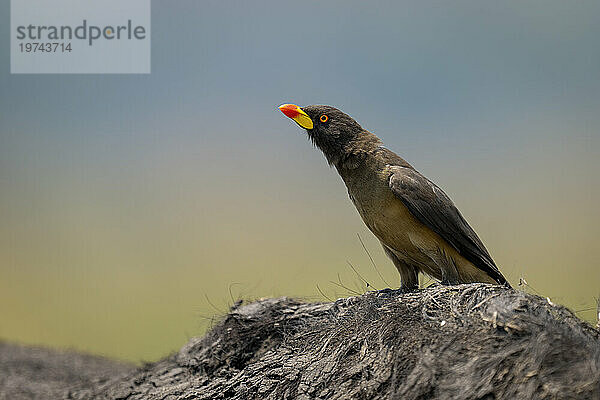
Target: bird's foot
x,y
408,289
447,282
391,292
381,291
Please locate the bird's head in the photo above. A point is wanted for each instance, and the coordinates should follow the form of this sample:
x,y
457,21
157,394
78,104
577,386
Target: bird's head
x,y
332,131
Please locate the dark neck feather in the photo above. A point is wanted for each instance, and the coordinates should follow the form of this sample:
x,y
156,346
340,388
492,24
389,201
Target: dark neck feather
x,y
355,151
365,142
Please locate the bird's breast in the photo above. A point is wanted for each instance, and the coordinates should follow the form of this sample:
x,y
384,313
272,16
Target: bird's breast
x,y
384,213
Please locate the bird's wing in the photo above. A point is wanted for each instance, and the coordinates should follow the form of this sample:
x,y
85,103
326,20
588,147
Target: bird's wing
x,y
432,207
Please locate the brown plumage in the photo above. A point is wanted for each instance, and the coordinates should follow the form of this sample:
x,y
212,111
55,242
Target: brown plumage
x,y
419,227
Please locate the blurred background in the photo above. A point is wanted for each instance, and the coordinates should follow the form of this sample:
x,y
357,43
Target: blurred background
x,y
134,209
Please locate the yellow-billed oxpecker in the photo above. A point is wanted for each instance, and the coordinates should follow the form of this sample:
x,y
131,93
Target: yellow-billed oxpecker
x,y
419,227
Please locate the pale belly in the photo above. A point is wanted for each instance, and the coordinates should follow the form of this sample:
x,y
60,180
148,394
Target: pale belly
x,y
413,242
392,223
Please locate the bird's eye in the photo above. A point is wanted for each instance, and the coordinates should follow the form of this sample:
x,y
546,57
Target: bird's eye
x,y
324,118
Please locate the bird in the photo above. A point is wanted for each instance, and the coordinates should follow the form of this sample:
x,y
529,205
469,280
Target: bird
x,y
418,225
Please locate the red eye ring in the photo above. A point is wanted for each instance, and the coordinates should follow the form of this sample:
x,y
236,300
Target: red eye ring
x,y
324,118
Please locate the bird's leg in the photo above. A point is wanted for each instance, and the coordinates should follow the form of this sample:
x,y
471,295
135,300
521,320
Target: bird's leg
x,y
407,288
409,275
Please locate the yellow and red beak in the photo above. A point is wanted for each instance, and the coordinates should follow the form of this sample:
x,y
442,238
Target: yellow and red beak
x,y
300,117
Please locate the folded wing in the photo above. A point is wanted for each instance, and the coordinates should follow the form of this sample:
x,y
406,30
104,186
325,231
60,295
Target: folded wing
x,y
430,205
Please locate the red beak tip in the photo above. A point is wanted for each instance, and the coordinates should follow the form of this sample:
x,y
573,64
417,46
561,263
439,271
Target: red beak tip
x,y
289,110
